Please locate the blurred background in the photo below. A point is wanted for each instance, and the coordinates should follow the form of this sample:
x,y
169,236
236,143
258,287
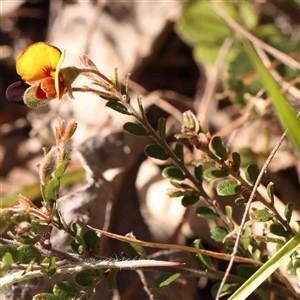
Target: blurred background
x,y
181,55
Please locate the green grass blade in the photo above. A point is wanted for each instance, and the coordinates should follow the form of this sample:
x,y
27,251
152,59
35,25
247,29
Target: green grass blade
x,y
267,269
284,110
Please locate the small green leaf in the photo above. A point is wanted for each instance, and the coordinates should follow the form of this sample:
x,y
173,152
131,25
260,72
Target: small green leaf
x,y
25,239
236,159
227,289
278,229
85,277
7,259
39,229
288,210
261,215
67,155
219,148
198,257
252,173
77,248
9,249
176,184
246,242
134,250
51,190
117,106
256,254
270,191
162,128
177,194
199,173
292,266
156,151
29,253
179,152
200,161
165,280
212,173
111,279
173,173
51,268
219,233
228,210
92,241
205,212
228,187
5,264
239,201
65,290
135,129
189,200
61,169
77,229
229,250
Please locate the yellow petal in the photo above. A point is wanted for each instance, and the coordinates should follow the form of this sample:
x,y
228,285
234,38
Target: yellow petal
x,y
38,61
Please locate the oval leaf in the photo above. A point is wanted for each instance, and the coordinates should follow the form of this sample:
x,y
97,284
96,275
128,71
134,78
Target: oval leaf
x,y
212,173
156,151
198,257
288,210
236,158
205,212
92,241
134,250
261,215
228,187
85,278
189,200
165,280
278,229
227,289
199,173
9,249
219,148
252,173
218,233
135,129
162,128
29,253
270,191
179,152
117,106
65,290
173,173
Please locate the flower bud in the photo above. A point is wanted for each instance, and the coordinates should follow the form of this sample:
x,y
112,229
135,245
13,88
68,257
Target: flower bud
x,y
48,165
71,128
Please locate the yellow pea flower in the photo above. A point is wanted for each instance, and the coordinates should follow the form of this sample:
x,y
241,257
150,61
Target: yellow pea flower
x,y
40,64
